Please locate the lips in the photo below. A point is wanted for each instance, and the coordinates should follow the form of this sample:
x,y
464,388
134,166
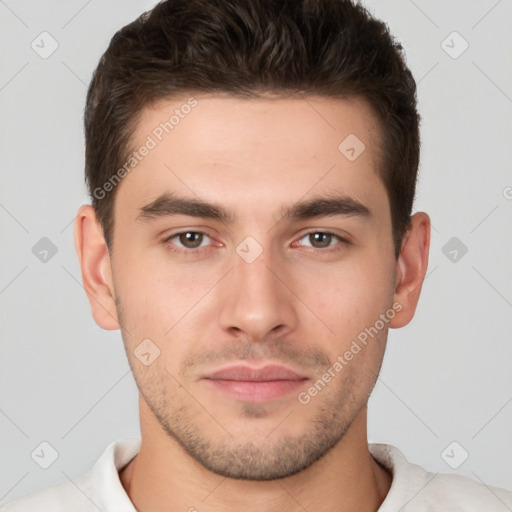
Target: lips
x,y
255,384
267,373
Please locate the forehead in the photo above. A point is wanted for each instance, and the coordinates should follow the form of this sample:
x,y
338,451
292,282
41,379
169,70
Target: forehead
x,y
243,122
254,152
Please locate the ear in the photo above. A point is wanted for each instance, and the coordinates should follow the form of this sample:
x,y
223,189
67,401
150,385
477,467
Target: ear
x,y
411,268
96,268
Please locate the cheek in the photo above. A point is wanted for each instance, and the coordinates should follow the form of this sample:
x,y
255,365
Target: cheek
x,y
349,296
157,294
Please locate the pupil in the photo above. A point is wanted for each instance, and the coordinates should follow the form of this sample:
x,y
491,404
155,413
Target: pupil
x,y
323,238
191,239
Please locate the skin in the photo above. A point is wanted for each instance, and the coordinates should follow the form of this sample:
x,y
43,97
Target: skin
x,y
292,306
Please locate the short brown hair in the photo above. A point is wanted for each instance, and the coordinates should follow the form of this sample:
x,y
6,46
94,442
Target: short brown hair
x,y
331,48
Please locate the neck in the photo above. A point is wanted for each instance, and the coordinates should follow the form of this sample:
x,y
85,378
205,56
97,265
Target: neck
x,y
164,477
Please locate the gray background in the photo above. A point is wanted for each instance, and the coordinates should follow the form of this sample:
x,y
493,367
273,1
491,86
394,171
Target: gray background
x,y
446,377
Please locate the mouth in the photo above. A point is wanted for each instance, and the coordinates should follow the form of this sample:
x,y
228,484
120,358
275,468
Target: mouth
x,y
255,384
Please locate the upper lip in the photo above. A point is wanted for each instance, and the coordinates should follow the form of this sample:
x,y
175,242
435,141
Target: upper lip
x,y
246,373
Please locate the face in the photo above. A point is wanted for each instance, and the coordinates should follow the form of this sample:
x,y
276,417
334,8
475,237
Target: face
x,y
248,300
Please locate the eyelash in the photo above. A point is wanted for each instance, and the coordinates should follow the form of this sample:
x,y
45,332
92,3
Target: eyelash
x,y
173,248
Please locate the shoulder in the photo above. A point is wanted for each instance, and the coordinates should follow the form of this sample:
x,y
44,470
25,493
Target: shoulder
x,y
97,489
413,489
55,498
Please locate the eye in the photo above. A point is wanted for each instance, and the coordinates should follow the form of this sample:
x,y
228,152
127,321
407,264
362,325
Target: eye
x,y
191,242
187,241
320,240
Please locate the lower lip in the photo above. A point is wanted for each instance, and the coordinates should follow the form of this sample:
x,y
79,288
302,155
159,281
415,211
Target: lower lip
x,y
256,391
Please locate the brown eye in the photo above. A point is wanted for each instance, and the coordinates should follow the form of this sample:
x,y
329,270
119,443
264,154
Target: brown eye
x,y
320,240
188,242
191,239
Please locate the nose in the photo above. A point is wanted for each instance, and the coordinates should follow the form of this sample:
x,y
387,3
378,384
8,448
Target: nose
x,y
258,301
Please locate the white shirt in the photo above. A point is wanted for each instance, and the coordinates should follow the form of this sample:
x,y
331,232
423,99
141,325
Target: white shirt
x,y
412,489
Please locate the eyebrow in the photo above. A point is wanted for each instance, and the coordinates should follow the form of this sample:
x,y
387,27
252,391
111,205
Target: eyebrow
x,y
168,204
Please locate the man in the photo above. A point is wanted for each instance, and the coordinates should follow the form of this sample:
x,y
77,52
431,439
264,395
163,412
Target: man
x,y
252,168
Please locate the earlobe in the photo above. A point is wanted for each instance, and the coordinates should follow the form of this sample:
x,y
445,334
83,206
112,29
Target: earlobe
x,y
411,268
96,268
